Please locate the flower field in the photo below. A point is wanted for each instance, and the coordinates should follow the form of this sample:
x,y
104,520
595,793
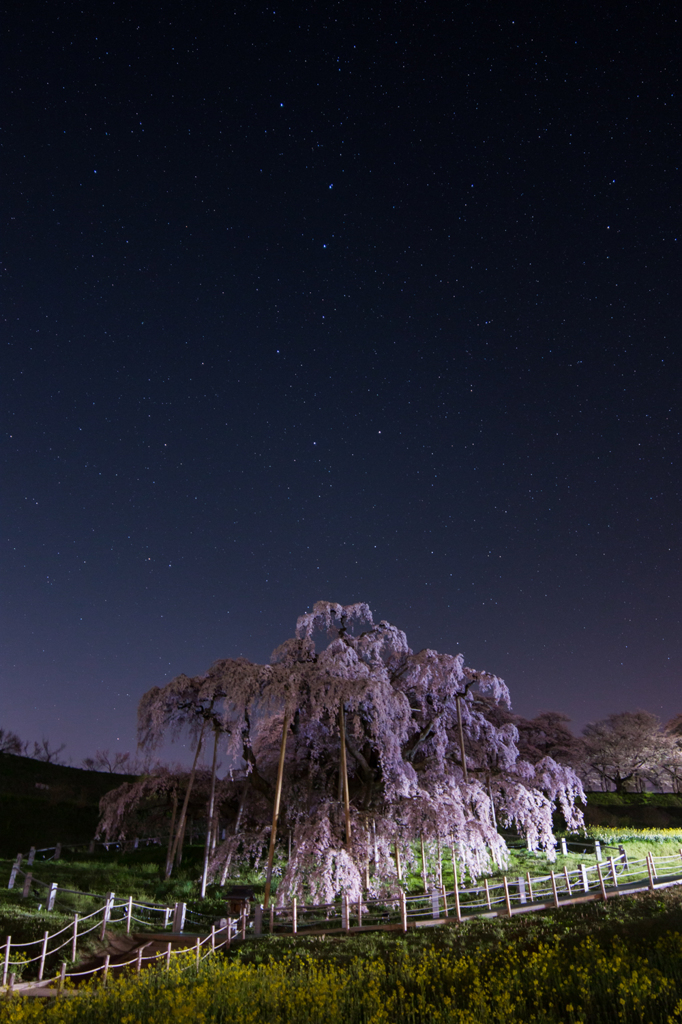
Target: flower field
x,y
588,981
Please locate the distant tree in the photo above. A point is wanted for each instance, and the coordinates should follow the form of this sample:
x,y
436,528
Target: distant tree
x,y
190,704
359,748
547,735
44,751
10,742
116,763
623,750
671,763
149,806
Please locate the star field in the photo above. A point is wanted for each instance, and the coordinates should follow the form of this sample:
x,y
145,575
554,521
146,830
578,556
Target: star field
x,y
360,302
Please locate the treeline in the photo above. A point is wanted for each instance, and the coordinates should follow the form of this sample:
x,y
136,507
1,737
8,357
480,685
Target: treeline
x,y
627,752
117,762
631,751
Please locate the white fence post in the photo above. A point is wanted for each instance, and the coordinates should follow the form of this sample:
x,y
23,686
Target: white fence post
x,y
435,904
583,875
597,851
51,896
28,878
522,890
564,848
43,954
108,907
179,917
57,851
74,940
129,914
31,856
14,872
403,910
5,966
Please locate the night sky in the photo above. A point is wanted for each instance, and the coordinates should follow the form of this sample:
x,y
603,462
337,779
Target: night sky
x,y
348,301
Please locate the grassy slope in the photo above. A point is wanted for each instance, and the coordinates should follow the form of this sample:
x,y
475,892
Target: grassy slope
x,y
66,812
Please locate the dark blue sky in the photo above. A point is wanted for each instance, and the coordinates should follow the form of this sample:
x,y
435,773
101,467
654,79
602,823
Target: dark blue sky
x,y
361,302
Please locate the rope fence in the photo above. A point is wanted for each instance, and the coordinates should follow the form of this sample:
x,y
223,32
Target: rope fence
x,y
512,895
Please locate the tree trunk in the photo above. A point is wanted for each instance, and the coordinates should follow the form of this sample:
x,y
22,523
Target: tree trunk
x,y
169,859
344,773
209,816
177,844
461,738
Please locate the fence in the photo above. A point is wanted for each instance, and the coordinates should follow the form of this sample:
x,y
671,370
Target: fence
x,y
522,894
203,947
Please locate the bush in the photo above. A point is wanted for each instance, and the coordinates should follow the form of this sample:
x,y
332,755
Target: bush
x,y
587,982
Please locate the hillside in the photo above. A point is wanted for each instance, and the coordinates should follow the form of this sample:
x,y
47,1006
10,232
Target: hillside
x,y
43,804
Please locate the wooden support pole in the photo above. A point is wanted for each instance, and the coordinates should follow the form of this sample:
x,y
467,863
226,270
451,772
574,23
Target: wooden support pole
x,y
74,940
62,978
179,836
129,915
612,865
507,897
568,881
360,912
344,774
601,881
424,879
398,866
461,738
209,815
440,862
445,900
105,971
294,916
650,869
458,909
168,955
198,953
487,893
138,965
530,886
346,912
275,809
272,918
554,889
